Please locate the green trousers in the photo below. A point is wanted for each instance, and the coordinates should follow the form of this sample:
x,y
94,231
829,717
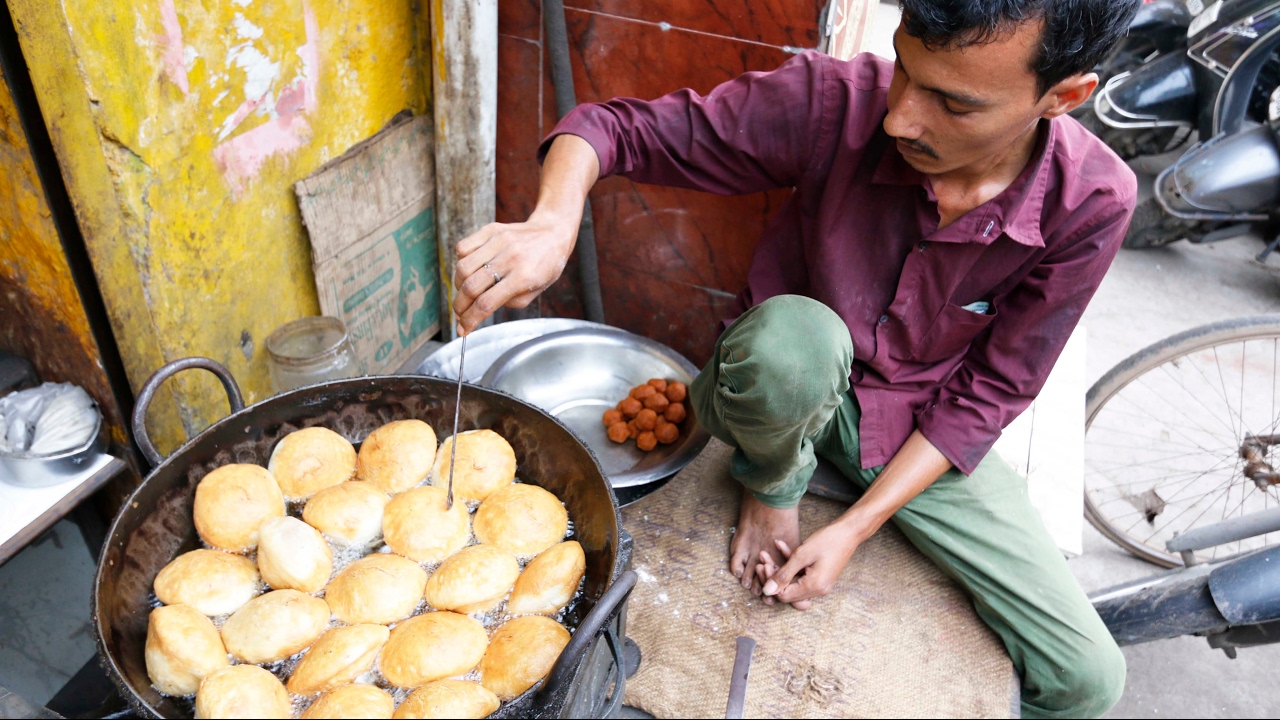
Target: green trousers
x,y
777,390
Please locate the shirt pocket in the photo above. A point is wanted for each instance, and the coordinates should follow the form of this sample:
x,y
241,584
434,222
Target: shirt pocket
x,y
951,333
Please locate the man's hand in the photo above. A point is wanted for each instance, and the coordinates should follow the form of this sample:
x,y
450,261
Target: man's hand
x,y
812,569
511,264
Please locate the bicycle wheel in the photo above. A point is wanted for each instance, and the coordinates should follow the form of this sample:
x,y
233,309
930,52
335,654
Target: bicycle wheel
x,y
1181,435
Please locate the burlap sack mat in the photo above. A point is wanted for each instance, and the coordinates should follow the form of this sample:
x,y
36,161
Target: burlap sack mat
x,y
896,638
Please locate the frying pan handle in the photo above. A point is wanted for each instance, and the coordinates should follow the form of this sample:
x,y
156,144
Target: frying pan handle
x,y
598,621
155,381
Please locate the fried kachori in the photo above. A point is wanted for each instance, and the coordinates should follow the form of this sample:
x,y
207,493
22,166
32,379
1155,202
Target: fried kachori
x,y
381,588
231,503
520,654
211,581
307,461
486,463
183,647
398,455
274,626
340,656
448,699
473,580
355,701
417,525
432,646
549,581
522,519
242,691
350,513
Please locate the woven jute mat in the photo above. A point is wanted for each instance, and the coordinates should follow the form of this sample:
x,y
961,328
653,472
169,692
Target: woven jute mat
x,y
896,638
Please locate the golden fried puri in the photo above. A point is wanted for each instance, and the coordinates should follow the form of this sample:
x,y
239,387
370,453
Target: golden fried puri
x,y
475,579
231,502
380,588
183,647
357,701
211,581
416,525
521,653
398,455
432,646
486,463
522,519
340,656
292,555
307,461
550,581
274,626
350,512
448,699
242,691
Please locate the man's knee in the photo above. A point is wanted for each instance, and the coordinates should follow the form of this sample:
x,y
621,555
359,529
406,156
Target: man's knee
x,y
789,339
1090,684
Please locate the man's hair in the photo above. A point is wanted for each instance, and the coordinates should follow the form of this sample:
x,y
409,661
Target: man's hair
x,y
1077,34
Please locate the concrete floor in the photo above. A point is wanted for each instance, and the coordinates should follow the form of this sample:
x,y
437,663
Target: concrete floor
x,y
1147,296
45,635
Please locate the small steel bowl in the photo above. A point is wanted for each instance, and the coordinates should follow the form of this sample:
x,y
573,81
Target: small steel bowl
x,y
33,471
578,374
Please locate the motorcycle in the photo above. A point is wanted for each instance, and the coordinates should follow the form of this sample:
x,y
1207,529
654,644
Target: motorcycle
x,y
1220,89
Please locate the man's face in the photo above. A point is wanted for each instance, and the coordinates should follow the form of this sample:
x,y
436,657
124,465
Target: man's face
x,y
951,108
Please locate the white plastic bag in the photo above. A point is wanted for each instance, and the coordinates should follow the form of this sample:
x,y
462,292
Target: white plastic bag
x,y
46,420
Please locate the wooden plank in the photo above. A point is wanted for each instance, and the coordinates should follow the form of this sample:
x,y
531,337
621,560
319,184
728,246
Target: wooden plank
x,y
60,509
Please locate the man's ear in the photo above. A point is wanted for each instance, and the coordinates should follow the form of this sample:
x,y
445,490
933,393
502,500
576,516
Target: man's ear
x,y
1069,94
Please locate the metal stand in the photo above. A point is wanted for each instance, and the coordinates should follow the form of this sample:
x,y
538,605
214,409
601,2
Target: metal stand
x,y
1271,247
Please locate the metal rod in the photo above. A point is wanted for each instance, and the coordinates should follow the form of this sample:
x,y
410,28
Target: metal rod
x,y
566,99
738,682
1227,531
457,412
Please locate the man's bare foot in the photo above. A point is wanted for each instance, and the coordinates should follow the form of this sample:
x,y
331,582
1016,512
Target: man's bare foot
x,y
758,527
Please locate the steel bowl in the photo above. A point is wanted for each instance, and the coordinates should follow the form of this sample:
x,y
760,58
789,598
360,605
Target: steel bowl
x,y
578,374
35,471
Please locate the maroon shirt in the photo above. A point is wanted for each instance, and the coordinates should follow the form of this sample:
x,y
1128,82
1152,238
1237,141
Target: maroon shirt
x,y
860,234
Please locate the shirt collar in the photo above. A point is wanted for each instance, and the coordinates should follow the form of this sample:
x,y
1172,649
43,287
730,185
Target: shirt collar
x,y
1016,211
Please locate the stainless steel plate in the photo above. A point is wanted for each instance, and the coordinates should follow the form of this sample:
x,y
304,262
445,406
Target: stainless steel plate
x,y
577,374
488,344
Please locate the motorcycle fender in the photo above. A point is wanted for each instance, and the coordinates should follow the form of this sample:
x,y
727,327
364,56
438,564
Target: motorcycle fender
x,y
1160,92
1247,591
1232,173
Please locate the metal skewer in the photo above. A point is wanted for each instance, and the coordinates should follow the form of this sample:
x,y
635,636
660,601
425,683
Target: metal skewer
x,y
457,411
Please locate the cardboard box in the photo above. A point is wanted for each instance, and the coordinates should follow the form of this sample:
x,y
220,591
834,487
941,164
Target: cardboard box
x,y
371,218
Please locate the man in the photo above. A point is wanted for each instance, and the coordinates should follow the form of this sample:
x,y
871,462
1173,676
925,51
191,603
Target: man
x,y
949,224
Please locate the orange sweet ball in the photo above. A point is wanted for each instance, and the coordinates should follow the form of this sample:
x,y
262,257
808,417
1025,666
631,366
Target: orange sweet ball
x,y
612,417
630,408
674,413
659,384
647,441
647,419
632,430
657,402
676,392
666,432
618,432
640,392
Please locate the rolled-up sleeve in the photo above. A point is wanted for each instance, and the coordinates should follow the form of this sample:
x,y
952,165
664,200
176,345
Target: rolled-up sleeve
x,y
755,132
1005,367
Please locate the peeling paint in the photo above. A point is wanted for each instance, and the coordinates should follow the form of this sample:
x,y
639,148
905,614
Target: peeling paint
x,y
194,234
174,56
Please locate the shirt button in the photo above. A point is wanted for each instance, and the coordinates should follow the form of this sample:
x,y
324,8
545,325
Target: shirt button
x,y
884,319
924,244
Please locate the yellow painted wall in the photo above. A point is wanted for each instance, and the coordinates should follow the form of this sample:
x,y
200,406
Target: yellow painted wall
x,y
41,315
181,127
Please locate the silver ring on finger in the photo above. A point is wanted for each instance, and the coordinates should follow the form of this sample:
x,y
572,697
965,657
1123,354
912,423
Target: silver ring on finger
x,y
496,277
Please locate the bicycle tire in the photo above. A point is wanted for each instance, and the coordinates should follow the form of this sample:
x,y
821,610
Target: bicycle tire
x,y
1149,358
